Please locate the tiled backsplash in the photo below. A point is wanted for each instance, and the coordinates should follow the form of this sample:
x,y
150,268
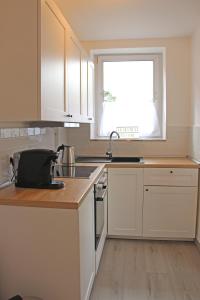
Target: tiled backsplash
x,y
176,144
18,139
6,133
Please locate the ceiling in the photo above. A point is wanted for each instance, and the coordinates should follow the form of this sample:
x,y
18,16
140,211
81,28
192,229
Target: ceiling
x,y
129,19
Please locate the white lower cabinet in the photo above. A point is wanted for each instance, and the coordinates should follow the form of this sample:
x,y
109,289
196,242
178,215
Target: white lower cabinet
x,y
169,212
47,252
87,245
125,199
164,207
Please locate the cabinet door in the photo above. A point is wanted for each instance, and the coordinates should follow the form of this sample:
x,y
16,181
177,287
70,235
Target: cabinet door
x,y
169,212
53,63
90,107
73,78
84,85
87,245
125,199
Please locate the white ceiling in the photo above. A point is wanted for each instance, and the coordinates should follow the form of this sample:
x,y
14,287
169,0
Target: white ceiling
x,y
129,19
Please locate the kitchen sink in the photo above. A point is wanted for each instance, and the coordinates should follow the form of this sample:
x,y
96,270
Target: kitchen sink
x,y
127,159
104,159
92,159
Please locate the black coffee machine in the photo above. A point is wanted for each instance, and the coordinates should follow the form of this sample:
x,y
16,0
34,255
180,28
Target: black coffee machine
x,y
34,169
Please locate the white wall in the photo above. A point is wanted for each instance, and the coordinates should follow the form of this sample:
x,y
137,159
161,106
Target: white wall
x,y
178,75
195,129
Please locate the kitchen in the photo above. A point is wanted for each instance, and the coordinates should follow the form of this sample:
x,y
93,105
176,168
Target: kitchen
x,y
19,106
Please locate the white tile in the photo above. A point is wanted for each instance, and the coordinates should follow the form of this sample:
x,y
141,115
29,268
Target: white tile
x,y
37,131
23,131
31,131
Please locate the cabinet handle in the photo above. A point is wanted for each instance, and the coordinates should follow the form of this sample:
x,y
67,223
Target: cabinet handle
x,y
90,119
171,172
146,190
68,116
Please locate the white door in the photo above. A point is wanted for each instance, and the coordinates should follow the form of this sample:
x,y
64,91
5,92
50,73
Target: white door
x,y
169,212
125,200
53,64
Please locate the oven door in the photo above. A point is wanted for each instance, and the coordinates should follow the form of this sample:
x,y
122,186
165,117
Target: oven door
x,y
100,193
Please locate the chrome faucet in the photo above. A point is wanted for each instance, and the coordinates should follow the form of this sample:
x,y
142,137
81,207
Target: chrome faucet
x,y
109,152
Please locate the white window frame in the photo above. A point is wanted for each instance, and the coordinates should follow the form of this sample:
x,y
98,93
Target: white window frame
x,y
159,88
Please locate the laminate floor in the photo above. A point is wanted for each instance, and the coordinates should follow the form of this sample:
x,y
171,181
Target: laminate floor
x,y
148,270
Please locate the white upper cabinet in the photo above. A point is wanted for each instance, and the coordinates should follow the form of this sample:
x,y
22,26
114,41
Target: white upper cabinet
x,y
18,60
80,82
53,64
73,78
41,70
84,84
90,104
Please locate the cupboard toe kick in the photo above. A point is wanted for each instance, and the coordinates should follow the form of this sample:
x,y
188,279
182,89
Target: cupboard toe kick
x,y
152,203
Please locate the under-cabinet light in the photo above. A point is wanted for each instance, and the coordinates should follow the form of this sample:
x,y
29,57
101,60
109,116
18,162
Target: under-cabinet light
x,y
66,125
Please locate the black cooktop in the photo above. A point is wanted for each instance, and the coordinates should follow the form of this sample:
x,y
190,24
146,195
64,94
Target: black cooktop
x,y
73,171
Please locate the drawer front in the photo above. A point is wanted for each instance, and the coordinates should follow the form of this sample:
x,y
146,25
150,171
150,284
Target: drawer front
x,y
171,177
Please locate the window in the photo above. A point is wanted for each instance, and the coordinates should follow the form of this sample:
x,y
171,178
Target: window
x,y
130,96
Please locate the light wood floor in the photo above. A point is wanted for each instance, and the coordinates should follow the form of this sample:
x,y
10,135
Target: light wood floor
x,y
148,270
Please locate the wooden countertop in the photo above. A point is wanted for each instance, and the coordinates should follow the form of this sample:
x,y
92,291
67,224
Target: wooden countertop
x,y
161,162
71,196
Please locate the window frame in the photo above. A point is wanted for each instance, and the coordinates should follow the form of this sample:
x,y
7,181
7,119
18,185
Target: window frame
x,y
159,95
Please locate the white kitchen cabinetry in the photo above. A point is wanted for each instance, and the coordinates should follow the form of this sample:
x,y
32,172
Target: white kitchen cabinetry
x,y
87,245
53,63
32,61
79,80
125,200
47,252
73,77
90,105
39,82
170,203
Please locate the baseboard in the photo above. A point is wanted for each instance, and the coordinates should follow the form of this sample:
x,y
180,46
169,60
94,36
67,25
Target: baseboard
x,y
150,238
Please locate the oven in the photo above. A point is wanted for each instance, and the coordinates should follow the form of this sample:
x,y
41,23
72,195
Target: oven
x,y
100,194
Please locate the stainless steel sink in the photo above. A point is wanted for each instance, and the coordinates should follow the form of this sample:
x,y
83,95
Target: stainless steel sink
x,y
92,159
131,159
104,159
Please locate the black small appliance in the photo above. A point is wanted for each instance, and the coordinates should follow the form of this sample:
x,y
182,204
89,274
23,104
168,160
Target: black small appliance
x,y
33,169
